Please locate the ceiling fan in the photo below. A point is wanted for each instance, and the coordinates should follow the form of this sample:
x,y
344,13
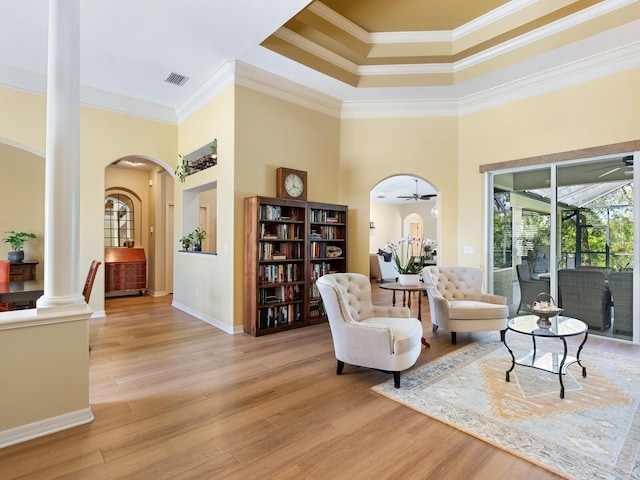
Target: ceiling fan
x,y
626,162
417,196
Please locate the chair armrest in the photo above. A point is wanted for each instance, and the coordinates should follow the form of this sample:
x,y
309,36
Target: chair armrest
x,y
495,299
439,305
384,311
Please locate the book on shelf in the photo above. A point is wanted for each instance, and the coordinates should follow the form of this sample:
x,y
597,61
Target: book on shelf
x,y
279,256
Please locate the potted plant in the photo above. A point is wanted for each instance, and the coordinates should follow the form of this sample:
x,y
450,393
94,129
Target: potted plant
x,y
408,269
16,240
186,241
199,234
182,170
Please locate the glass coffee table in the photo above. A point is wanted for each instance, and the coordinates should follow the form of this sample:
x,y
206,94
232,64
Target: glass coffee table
x,y
561,328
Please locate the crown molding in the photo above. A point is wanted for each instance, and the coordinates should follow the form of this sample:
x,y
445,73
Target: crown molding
x,y
260,80
313,48
400,109
209,88
573,73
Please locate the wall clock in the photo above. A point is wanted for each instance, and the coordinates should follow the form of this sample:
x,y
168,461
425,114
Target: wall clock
x,y
291,184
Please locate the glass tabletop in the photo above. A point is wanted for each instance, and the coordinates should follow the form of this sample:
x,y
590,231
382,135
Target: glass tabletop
x,y
560,326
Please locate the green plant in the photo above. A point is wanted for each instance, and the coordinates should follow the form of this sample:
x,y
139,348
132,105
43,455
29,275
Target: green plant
x,y
186,241
199,234
405,264
214,146
182,170
17,239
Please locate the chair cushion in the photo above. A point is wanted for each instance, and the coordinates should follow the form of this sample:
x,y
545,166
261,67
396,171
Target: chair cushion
x,y
407,332
472,310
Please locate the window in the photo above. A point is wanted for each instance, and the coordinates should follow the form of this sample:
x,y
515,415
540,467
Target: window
x,y
118,220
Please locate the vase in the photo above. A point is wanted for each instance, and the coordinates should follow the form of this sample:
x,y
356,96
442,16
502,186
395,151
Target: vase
x,y
409,279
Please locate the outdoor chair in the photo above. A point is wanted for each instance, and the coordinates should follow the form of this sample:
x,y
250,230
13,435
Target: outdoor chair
x,y
584,294
529,287
372,336
621,287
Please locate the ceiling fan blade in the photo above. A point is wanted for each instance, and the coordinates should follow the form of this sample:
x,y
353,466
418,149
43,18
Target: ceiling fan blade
x,y
610,171
427,197
612,165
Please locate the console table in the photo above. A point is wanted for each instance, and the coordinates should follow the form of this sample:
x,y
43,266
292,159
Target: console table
x,y
22,271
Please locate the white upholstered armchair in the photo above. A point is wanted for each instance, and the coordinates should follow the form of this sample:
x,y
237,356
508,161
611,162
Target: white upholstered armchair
x,y
373,336
458,304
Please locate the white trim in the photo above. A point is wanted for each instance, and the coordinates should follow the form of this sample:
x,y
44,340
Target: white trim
x,y
211,87
225,327
493,16
339,21
313,48
270,84
406,69
45,427
400,109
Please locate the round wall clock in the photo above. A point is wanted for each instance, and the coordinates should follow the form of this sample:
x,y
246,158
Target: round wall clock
x,y
291,184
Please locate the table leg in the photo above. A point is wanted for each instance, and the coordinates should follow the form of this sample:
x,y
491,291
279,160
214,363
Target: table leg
x,y
393,298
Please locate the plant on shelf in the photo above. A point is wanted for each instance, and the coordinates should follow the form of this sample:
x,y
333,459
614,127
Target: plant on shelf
x,y
405,263
182,170
16,240
186,241
429,248
199,234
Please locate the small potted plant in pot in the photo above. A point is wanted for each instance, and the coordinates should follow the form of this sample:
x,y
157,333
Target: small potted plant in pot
x,y
186,241
199,234
16,240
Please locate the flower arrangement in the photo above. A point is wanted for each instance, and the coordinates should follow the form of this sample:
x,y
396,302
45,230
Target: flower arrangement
x,y
429,248
404,263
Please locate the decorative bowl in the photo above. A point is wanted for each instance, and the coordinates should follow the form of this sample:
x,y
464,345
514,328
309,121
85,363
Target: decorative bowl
x,y
544,309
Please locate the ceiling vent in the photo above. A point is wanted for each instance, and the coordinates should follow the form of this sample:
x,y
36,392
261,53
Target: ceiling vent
x,y
176,79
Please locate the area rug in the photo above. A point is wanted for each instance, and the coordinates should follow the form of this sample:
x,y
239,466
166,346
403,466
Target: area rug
x,y
593,433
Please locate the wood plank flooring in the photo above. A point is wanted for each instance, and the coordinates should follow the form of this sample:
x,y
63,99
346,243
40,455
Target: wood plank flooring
x,y
175,398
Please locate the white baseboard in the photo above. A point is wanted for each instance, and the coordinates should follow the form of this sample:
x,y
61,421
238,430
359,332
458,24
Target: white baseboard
x,y
45,427
206,318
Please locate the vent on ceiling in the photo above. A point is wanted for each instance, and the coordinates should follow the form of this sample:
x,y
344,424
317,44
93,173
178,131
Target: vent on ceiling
x,y
176,79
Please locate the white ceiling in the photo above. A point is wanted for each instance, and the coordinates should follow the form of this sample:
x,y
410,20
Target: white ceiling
x,y
128,47
388,190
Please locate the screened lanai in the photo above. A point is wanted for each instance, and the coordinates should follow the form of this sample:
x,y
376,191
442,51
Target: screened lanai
x,y
580,233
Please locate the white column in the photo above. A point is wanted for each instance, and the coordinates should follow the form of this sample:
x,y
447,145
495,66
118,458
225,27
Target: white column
x,y
62,177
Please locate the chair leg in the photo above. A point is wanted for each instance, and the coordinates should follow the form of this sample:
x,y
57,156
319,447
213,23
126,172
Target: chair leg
x,y
396,379
453,338
340,367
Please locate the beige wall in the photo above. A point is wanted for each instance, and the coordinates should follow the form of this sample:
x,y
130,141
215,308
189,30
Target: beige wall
x,y
204,283
22,197
372,150
272,133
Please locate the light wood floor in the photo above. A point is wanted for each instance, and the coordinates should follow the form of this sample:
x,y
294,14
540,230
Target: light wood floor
x,y
175,398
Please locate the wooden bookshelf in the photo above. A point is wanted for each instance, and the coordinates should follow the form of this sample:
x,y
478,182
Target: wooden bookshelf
x,y
282,261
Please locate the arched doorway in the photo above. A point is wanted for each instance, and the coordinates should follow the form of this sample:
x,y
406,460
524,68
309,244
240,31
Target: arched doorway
x,y
150,186
402,206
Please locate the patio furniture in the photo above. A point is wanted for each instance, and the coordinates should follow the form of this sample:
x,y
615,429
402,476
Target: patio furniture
x,y
458,303
584,294
380,337
621,288
529,287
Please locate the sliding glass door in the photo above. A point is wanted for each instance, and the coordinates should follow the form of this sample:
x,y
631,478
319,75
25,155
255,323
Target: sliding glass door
x,y
568,231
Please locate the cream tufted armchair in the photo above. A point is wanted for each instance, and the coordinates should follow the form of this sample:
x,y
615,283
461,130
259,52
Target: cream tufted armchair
x,y
458,304
368,335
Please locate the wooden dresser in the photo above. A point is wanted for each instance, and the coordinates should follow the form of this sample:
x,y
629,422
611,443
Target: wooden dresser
x,y
125,271
23,271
